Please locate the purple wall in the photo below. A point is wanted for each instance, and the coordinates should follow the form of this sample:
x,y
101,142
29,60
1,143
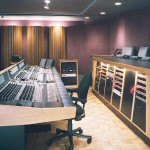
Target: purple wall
x,y
131,29
96,42
75,44
82,41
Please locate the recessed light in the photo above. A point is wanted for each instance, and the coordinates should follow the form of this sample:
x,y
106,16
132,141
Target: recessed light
x,y
87,17
118,3
102,13
46,7
47,1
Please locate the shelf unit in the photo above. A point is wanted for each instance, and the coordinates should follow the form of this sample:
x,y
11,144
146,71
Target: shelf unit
x,y
109,82
140,102
69,72
117,89
102,80
125,89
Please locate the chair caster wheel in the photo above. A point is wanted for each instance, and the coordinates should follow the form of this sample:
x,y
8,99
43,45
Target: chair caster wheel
x,y
50,142
57,132
71,147
80,131
89,140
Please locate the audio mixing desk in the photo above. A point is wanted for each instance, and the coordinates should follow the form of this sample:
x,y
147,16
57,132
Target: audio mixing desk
x,y
31,95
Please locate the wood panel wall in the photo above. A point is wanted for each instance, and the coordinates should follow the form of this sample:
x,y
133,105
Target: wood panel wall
x,y
35,45
38,42
11,44
57,46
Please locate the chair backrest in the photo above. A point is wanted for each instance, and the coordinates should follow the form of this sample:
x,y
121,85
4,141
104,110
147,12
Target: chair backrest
x,y
143,51
127,51
84,86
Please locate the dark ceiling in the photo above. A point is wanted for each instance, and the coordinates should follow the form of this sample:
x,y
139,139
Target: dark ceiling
x,y
79,8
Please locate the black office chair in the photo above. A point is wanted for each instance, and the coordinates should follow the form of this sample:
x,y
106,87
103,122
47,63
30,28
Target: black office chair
x,y
82,92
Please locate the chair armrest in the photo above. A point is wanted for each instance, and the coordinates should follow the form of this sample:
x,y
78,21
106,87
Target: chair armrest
x,y
72,90
77,99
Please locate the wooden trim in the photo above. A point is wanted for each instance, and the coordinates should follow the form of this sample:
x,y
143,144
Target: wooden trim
x,y
19,115
113,83
122,90
68,60
133,102
95,55
122,65
93,73
8,68
148,105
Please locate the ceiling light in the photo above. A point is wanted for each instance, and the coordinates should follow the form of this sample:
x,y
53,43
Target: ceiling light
x,y
46,6
87,17
102,13
47,1
118,3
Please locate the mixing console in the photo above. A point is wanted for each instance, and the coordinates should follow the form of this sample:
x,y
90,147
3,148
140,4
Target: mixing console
x,y
23,75
10,91
28,68
52,93
33,91
33,76
39,94
27,93
35,73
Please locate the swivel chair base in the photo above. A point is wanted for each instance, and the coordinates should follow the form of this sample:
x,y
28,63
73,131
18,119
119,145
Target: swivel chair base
x,y
70,133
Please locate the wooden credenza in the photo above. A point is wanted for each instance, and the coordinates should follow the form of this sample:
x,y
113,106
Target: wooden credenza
x,y
124,86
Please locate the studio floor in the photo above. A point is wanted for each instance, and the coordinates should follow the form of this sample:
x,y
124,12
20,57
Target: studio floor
x,y
107,130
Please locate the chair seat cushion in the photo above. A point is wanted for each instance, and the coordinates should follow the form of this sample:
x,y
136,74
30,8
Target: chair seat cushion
x,y
72,90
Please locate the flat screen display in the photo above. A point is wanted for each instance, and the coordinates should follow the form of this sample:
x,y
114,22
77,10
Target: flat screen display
x,y
2,79
13,70
21,64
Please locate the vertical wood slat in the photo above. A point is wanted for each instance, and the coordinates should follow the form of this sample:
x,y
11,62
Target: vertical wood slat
x,y
17,41
35,45
57,47
11,44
